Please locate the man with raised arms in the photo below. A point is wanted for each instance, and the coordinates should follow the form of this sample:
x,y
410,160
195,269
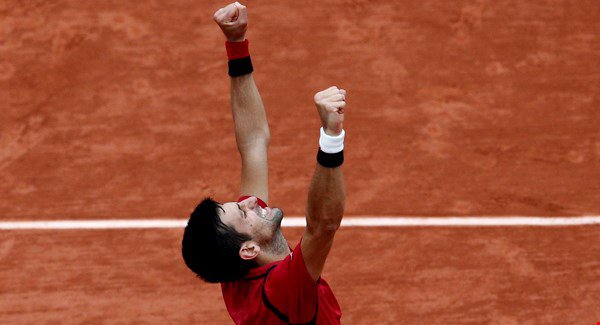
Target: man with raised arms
x,y
239,243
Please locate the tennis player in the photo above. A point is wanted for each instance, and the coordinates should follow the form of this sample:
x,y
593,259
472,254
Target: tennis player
x,y
240,244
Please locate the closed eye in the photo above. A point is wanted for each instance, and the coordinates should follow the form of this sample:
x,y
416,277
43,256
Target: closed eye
x,y
242,211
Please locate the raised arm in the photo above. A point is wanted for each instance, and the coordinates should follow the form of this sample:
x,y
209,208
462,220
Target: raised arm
x,y
326,195
249,117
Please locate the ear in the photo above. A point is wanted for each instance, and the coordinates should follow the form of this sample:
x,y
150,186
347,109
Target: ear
x,y
249,250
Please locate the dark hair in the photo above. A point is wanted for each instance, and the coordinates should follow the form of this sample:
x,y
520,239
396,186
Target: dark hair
x,y
210,248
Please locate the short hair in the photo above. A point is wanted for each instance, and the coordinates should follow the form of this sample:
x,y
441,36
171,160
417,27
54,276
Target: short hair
x,y
210,248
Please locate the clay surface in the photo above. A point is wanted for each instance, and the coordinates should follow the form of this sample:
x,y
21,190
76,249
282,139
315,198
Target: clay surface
x,y
114,110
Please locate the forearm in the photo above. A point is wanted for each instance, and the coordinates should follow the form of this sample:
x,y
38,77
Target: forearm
x,y
326,199
326,193
249,117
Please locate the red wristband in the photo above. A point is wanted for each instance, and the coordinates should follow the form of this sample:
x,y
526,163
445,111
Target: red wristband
x,y
237,50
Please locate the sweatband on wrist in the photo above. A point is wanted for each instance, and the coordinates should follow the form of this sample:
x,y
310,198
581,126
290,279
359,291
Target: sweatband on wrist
x,y
331,149
239,58
237,50
331,144
330,160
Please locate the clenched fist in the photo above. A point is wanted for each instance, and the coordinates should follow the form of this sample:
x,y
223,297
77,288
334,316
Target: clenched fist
x,y
330,104
233,20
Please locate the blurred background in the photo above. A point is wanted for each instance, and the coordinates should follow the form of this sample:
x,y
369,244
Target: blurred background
x,y
120,110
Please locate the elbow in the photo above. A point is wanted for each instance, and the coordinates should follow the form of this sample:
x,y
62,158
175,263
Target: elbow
x,y
332,227
262,137
260,140
325,227
266,137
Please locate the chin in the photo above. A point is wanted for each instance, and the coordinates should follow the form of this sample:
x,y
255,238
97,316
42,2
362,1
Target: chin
x,y
278,216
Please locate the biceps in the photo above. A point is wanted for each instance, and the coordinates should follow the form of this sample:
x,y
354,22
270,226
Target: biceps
x,y
255,173
315,249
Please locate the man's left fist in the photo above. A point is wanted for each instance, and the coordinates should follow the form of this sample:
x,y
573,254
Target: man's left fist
x,y
233,20
330,105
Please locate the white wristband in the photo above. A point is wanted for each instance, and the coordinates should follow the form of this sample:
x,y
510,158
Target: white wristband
x,y
331,144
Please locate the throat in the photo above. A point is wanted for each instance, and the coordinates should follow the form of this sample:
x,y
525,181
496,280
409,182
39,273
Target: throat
x,y
277,250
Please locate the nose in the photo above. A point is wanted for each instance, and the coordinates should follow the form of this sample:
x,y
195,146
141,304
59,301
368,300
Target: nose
x,y
251,202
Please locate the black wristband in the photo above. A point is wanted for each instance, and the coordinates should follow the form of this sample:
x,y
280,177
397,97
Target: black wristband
x,y
240,67
330,160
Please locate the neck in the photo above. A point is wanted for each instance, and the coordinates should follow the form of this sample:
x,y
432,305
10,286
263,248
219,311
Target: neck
x,y
277,250
266,258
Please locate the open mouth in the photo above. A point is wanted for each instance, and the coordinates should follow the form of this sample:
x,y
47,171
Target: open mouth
x,y
266,214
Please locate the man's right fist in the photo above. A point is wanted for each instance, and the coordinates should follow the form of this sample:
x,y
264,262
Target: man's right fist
x,y
233,20
330,104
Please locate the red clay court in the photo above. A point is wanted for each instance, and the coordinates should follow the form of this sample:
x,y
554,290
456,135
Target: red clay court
x,y
116,111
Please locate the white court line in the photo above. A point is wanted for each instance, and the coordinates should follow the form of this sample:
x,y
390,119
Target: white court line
x,y
364,221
